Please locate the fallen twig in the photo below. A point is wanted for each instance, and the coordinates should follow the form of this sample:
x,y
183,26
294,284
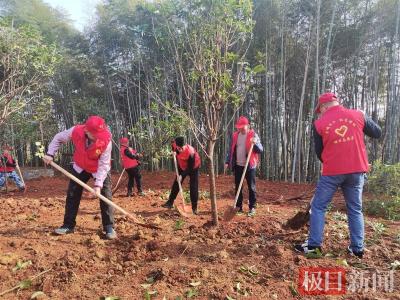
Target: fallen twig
x,y
184,250
20,285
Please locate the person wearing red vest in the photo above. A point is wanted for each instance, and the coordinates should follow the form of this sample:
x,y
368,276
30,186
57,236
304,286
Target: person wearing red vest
x,y
7,169
236,157
91,158
339,144
130,162
188,165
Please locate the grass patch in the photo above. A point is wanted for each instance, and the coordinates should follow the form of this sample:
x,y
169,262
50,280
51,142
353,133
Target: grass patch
x,y
384,183
388,209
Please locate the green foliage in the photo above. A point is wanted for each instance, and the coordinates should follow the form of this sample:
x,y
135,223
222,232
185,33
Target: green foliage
x,y
385,208
39,150
148,295
154,134
378,229
293,290
21,265
342,262
384,183
29,62
179,224
384,179
53,24
210,38
25,284
314,255
338,216
192,293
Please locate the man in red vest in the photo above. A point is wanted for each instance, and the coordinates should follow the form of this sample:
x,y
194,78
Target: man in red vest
x,y
339,144
236,158
92,157
130,162
7,169
188,165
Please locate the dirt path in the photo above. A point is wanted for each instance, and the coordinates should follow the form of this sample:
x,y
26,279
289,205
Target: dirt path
x,y
249,258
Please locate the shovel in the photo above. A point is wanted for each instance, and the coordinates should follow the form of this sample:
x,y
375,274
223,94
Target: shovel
x,y
182,208
20,174
102,198
300,219
231,211
118,182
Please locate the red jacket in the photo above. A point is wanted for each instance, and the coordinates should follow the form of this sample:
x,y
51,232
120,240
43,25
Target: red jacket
x,y
344,150
87,157
7,164
127,162
183,157
254,157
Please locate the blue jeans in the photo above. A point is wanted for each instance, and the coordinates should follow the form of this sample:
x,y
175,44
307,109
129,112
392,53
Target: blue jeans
x,y
352,187
12,175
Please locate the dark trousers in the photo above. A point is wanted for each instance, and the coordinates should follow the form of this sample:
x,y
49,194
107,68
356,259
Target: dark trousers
x,y
194,188
251,183
74,195
134,175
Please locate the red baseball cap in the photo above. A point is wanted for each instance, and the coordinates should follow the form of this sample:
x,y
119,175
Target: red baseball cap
x,y
95,125
241,122
124,141
325,98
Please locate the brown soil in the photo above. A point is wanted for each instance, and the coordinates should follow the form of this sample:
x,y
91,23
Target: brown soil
x,y
186,255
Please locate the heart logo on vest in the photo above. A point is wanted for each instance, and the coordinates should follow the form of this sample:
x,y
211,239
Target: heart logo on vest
x,y
341,131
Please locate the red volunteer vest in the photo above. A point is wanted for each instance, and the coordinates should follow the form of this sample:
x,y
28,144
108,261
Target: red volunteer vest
x,y
253,156
88,157
184,155
343,140
127,162
4,168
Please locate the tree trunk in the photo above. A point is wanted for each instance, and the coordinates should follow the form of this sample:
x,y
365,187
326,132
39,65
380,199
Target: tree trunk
x,y
211,178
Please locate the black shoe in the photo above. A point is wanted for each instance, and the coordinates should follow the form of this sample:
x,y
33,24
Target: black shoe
x,y
359,254
167,205
129,194
306,249
63,230
195,212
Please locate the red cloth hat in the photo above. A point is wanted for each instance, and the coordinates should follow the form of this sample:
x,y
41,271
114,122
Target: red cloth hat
x,y
95,125
7,147
124,141
241,122
325,98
